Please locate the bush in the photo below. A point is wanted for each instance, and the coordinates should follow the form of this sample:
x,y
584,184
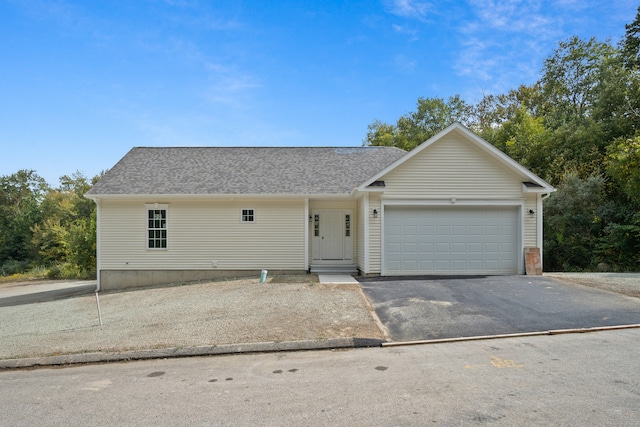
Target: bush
x,y
12,266
69,271
54,273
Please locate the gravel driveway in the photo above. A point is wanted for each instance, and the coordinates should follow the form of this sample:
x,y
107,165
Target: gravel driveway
x,y
622,283
216,313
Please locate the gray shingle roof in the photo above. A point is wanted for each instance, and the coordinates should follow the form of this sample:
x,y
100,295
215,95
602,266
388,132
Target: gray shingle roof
x,y
244,170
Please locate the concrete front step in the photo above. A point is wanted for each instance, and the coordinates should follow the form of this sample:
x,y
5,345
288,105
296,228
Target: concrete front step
x,y
332,269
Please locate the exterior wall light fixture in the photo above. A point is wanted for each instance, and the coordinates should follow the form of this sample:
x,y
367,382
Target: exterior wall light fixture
x,y
375,213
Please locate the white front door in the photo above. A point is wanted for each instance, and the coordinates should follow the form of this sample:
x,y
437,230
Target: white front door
x,y
332,235
331,245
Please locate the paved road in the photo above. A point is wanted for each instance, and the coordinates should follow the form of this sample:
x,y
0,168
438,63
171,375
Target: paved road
x,y
590,379
441,307
30,293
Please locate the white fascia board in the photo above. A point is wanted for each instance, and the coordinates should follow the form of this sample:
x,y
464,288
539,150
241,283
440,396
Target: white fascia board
x,y
387,201
484,145
357,192
539,190
216,196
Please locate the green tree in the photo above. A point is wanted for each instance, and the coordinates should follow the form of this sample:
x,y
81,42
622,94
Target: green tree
x,y
20,197
412,129
573,222
570,79
525,139
623,165
572,86
630,44
67,235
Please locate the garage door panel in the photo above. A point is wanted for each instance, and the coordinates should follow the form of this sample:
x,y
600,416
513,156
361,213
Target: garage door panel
x,y
459,230
410,266
394,248
394,230
443,248
427,265
458,265
476,265
491,248
409,248
424,240
459,248
443,230
410,230
426,248
475,248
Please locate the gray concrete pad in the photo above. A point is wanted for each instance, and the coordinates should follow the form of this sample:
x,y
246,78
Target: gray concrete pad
x,y
337,279
423,308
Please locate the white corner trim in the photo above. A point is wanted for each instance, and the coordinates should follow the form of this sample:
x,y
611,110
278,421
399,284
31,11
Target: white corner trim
x,y
367,240
306,234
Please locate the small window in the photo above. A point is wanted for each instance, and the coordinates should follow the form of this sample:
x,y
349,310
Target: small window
x,y
248,215
316,225
157,226
347,225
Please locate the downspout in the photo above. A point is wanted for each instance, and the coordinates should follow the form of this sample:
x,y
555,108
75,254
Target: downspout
x,y
98,233
307,225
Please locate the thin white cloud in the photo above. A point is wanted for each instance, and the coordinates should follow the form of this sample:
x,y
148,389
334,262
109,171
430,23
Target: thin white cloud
x,y
514,16
404,64
401,29
409,8
502,42
231,89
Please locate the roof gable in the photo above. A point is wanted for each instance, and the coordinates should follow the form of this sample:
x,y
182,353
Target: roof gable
x,y
494,153
244,170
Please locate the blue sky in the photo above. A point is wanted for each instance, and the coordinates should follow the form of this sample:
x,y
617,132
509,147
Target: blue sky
x,y
81,82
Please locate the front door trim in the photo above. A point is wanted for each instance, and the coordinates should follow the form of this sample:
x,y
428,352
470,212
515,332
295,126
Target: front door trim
x,y
331,238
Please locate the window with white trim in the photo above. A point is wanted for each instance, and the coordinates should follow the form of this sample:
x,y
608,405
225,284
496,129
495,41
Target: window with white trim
x,y
157,226
248,215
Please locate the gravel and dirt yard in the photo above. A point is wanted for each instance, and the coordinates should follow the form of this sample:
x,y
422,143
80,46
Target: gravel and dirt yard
x,y
622,283
205,314
287,308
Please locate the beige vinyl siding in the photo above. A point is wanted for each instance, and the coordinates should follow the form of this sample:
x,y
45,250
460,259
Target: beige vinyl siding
x,y
375,233
530,221
202,234
450,167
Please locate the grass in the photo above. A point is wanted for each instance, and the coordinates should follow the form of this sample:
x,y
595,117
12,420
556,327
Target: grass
x,y
36,273
54,272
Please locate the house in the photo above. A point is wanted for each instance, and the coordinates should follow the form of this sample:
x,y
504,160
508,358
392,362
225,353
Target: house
x,y
453,205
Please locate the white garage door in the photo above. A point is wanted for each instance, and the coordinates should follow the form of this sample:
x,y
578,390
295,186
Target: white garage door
x,y
451,240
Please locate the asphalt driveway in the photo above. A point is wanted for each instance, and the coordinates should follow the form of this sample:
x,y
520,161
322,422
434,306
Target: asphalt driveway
x,y
423,308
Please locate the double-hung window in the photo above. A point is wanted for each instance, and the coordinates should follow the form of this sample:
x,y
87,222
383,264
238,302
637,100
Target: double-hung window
x,y
248,215
157,226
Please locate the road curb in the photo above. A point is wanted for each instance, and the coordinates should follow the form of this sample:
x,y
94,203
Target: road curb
x,y
162,353
516,335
